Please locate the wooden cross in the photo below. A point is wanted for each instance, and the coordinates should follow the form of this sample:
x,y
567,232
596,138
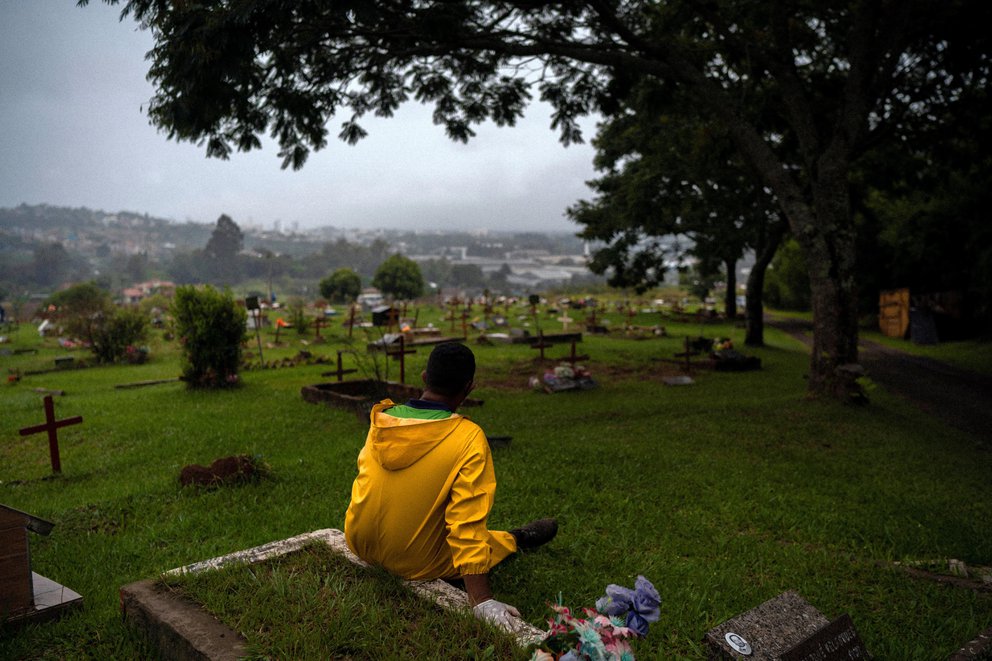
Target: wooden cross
x,y
392,318
451,317
541,344
401,356
351,319
51,426
572,358
317,324
591,319
340,371
466,313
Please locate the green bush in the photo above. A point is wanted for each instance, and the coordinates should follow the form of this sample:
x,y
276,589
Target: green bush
x,y
115,336
210,327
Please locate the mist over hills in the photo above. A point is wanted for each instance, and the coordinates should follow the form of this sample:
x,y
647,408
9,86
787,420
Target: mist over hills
x,y
43,246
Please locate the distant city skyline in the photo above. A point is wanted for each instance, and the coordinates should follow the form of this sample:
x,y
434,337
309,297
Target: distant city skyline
x,y
73,133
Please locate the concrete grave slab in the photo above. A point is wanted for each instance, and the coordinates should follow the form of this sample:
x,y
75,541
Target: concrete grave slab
x,y
179,633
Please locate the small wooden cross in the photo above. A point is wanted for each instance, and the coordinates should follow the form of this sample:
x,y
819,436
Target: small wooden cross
x,y
401,356
451,317
351,320
466,313
317,324
541,344
572,358
340,371
392,318
51,426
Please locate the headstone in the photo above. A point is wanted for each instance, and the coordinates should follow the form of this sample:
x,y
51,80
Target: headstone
x,y
25,595
785,628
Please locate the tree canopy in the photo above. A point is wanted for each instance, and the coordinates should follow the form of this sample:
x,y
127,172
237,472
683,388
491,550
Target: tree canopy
x,y
342,286
399,277
838,77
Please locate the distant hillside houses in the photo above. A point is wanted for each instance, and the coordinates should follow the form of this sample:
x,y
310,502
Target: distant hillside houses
x,y
139,291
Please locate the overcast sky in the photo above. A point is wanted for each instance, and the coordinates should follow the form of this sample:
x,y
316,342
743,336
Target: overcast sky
x,y
72,133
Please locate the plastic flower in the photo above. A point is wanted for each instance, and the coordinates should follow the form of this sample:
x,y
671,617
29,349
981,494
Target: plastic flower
x,y
647,601
618,600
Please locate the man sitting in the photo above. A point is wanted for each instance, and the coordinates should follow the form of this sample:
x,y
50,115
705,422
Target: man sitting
x,y
425,486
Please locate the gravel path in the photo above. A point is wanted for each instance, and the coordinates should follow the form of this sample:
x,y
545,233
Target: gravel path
x,y
961,398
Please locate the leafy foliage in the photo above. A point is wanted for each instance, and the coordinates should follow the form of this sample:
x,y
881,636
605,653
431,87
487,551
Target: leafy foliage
x,y
342,286
210,327
787,282
399,277
80,308
116,336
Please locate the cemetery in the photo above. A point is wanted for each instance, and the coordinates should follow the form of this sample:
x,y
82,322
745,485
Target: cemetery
x,y
766,520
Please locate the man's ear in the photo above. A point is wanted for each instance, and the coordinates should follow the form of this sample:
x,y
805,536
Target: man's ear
x,y
423,377
469,387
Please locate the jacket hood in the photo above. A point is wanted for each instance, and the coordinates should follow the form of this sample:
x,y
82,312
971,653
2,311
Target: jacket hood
x,y
396,443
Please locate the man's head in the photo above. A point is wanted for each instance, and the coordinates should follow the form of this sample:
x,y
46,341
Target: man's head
x,y
450,369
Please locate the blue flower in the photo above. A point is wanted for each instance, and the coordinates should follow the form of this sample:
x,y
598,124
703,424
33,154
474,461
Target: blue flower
x,y
646,600
636,623
618,600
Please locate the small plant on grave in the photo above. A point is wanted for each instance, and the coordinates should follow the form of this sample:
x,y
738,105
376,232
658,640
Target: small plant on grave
x,y
604,633
211,328
296,307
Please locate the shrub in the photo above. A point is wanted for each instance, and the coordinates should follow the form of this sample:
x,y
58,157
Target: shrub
x,y
115,336
210,327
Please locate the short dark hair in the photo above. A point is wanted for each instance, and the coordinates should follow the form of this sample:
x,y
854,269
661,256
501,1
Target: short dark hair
x,y
450,367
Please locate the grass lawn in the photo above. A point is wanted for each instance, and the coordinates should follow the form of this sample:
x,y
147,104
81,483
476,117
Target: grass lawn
x,y
724,493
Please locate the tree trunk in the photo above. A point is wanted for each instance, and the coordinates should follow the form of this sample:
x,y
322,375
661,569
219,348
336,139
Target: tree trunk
x,y
754,306
829,245
730,297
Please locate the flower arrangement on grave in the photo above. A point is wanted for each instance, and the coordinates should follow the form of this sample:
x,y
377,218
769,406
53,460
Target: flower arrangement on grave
x,y
602,634
135,355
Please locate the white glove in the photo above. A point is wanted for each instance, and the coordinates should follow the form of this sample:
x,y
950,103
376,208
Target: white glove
x,y
496,612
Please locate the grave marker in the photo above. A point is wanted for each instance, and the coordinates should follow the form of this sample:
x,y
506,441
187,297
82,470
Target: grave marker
x,y
52,425
351,319
401,356
340,371
317,324
785,628
541,344
23,593
572,358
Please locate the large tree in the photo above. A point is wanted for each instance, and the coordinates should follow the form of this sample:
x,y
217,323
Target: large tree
x,y
669,175
399,277
842,75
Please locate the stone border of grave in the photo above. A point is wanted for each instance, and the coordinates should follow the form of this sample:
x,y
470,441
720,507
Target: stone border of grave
x,y
183,630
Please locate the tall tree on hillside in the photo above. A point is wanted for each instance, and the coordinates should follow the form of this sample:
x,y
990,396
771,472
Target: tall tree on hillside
x,y
223,247
842,76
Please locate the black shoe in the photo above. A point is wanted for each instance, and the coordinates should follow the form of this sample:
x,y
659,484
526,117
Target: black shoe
x,y
535,533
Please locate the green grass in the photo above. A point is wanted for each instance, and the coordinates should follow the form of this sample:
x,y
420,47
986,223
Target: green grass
x,y
330,608
724,493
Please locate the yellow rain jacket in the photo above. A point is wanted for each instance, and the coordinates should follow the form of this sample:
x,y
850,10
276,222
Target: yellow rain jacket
x,y
420,501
